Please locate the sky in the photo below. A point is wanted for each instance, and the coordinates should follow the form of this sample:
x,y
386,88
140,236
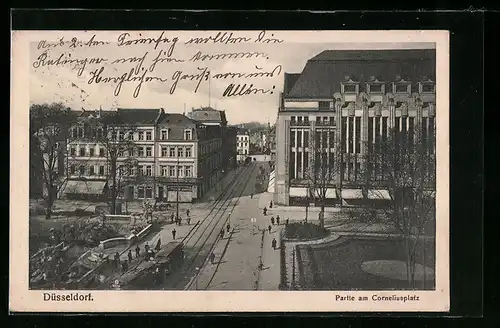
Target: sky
x,y
69,83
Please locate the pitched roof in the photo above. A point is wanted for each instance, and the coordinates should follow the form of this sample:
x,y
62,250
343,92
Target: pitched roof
x,y
208,115
139,115
323,74
176,119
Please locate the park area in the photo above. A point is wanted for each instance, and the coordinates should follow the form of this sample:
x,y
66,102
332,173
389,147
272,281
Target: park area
x,y
364,263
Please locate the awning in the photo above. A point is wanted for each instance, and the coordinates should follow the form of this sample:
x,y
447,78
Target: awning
x,y
298,192
85,187
352,194
379,194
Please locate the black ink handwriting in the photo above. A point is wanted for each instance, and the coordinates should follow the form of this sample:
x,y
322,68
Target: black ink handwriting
x,y
230,55
276,71
161,58
220,38
131,60
123,41
96,77
203,75
44,44
261,38
233,90
63,59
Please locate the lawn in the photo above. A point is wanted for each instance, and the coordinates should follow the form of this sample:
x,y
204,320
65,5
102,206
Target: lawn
x,y
339,266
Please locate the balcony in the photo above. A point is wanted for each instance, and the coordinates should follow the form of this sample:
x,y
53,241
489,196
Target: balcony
x,y
299,123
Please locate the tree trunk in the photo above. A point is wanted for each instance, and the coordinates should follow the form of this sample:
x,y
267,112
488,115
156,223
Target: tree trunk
x,y
113,189
49,202
322,216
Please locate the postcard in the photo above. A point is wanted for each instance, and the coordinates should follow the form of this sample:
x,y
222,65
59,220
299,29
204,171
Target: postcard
x,y
229,171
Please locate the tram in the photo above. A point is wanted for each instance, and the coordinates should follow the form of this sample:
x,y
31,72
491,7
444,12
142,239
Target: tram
x,y
150,272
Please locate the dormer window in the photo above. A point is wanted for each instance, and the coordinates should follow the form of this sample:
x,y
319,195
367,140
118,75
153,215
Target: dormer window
x,y
349,85
427,87
164,134
402,86
187,135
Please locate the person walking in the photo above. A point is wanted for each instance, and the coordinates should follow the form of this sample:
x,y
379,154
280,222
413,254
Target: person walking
x,y
137,251
269,228
117,260
272,220
130,255
222,234
278,220
173,234
228,227
251,195
172,218
158,245
271,204
287,221
264,211
188,220
187,212
273,243
146,247
212,258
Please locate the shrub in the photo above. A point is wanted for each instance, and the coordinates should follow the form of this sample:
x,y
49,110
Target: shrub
x,y
305,230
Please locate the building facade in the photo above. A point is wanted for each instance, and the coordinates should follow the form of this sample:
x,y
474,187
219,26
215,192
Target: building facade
x,y
146,153
343,103
243,144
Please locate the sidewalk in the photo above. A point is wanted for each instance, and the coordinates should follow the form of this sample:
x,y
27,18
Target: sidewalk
x,y
269,276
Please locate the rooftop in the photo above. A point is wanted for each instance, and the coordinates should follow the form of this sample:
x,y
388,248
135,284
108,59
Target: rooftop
x,y
208,115
323,74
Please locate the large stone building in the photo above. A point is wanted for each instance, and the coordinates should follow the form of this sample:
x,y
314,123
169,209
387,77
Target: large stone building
x,y
243,144
344,102
158,155
211,116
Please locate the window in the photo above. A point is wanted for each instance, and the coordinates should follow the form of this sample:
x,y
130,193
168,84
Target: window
x,y
101,169
149,192
180,152
91,170
402,88
72,151
188,151
245,152
91,151
140,192
375,88
292,119
299,120
351,137
149,152
306,138
172,152
74,133
148,172
188,171
164,134
358,135
349,88
130,135
113,135
428,88
299,138
121,135
141,137
344,133
306,119
99,133
82,151
324,105
179,171
292,165
164,171
163,151
187,135
82,170
101,152
140,152
148,135
80,132
171,171
72,169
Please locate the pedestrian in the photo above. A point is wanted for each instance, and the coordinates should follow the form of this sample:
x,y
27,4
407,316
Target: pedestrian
x,y
188,220
187,212
212,258
137,251
273,243
251,195
269,228
287,220
222,234
272,220
130,255
146,247
278,220
228,227
264,211
271,204
117,260
158,245
172,218
173,234
180,221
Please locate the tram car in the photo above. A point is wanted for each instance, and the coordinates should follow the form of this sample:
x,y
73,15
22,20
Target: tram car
x,y
149,273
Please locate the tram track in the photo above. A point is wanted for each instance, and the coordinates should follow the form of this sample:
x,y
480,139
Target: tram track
x,y
212,222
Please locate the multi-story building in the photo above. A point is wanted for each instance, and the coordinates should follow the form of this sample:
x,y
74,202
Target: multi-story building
x,y
243,144
146,153
345,102
210,116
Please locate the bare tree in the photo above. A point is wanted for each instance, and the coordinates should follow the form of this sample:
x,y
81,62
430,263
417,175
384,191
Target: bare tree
x,y
116,137
49,125
405,162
